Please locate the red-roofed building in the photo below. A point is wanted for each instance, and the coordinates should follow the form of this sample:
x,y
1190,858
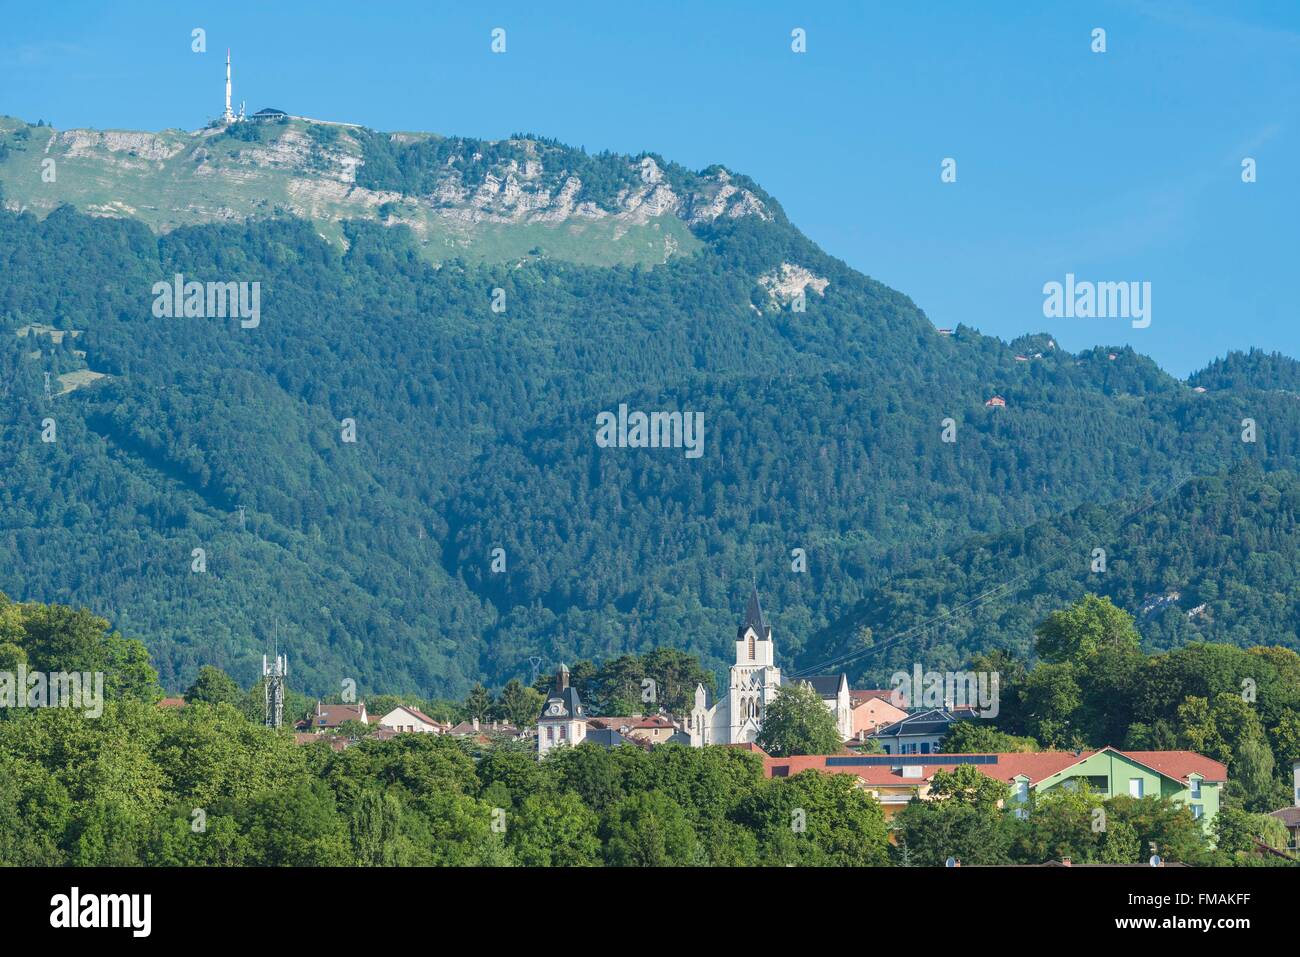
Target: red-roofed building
x,y
329,716
651,729
336,741
1183,776
403,718
172,703
872,709
752,748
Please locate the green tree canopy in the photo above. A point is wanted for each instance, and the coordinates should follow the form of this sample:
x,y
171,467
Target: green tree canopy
x,y
797,722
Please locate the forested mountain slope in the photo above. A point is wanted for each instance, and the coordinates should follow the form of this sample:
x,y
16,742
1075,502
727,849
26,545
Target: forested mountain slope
x,y
1210,560
475,430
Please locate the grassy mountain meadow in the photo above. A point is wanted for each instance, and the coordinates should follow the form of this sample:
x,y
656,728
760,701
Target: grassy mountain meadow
x,y
472,307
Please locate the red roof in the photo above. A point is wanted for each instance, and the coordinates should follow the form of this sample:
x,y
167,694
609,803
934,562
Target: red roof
x,y
864,695
421,715
1181,764
332,715
172,703
409,710
755,749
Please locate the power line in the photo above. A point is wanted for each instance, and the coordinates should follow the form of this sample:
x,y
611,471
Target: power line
x,y
987,596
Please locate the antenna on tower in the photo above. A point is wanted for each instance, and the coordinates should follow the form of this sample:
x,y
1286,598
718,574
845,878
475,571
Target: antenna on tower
x,y
273,676
229,115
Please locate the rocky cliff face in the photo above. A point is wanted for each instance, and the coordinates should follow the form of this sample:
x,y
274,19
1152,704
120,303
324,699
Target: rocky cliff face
x,y
473,199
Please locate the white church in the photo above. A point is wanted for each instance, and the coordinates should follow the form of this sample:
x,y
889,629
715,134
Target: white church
x,y
754,678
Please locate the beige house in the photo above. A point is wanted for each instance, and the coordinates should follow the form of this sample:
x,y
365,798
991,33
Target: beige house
x,y
403,718
652,729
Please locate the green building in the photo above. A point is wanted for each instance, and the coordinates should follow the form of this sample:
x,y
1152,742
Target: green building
x,y
1183,776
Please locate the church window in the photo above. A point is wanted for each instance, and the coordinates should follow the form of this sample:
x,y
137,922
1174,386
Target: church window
x,y
751,646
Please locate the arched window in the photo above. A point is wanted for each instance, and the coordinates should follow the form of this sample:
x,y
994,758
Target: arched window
x,y
751,646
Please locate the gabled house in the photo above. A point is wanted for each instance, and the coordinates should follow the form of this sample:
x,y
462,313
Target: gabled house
x,y
650,729
872,710
330,716
920,733
403,718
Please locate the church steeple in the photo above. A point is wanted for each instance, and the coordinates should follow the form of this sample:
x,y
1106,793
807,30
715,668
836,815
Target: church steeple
x,y
754,618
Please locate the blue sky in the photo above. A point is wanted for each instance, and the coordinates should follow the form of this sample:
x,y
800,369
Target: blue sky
x,y
1117,166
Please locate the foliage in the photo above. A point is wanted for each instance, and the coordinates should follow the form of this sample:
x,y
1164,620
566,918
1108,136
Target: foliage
x,y
381,563
797,722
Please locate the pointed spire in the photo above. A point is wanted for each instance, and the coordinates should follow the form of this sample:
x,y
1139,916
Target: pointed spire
x,y
754,617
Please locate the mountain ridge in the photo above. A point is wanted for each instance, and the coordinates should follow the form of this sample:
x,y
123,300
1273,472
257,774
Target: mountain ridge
x,y
457,195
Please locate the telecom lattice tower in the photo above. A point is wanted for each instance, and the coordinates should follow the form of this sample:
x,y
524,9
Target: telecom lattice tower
x,y
273,683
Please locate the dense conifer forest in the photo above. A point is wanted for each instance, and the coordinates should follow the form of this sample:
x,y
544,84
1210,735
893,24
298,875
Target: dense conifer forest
x,y
823,432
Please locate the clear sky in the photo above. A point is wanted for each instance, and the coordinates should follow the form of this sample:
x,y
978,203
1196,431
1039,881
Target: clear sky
x,y
1117,166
